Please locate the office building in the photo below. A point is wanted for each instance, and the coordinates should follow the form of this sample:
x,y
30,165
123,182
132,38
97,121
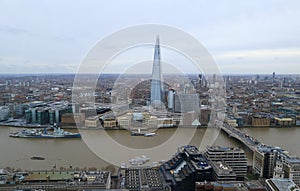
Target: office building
x,y
171,100
282,184
283,122
109,123
92,122
42,116
290,166
264,160
222,172
235,158
278,170
19,110
186,102
125,121
186,167
260,121
143,178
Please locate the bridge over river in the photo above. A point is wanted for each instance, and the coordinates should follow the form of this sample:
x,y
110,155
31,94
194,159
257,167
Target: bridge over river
x,y
244,138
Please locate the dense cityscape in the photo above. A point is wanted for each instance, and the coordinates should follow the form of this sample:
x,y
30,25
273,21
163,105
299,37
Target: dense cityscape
x,y
149,95
45,102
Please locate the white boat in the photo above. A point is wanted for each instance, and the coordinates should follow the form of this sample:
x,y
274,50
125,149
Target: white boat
x,y
140,133
149,134
139,160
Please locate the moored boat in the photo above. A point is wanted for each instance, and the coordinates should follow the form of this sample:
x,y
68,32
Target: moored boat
x,y
140,133
37,158
137,133
149,134
38,133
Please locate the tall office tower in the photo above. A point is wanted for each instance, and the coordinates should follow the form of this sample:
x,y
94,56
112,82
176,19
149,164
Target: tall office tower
x,y
200,79
227,82
171,95
157,96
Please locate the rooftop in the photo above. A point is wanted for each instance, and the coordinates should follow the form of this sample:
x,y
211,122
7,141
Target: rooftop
x,y
266,149
283,184
49,175
223,149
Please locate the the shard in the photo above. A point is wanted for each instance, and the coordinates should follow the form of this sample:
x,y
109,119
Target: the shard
x,y
157,91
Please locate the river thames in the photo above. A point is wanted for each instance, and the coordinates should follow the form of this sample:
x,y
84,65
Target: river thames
x,y
17,152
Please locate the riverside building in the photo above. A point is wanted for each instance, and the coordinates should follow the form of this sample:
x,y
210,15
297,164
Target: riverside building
x,y
235,158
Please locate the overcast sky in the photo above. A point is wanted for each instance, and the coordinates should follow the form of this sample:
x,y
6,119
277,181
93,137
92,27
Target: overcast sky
x,y
53,36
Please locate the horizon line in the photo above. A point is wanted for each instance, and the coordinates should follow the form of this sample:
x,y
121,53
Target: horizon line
x,y
62,73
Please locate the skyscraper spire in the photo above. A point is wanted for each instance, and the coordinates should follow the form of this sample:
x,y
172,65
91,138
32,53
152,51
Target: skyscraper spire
x,y
157,98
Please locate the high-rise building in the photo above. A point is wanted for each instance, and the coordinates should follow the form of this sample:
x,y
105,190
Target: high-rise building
x,y
227,83
200,79
264,160
171,99
186,102
157,91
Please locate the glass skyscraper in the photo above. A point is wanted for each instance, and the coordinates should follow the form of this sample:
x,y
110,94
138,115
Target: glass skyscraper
x,y
157,91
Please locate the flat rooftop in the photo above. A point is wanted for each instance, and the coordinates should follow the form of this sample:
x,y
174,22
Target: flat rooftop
x,y
282,184
49,176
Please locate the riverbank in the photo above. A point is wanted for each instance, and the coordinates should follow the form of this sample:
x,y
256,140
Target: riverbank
x,y
20,123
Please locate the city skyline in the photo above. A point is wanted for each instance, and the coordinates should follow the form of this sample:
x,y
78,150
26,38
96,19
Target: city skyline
x,y
149,95
241,36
